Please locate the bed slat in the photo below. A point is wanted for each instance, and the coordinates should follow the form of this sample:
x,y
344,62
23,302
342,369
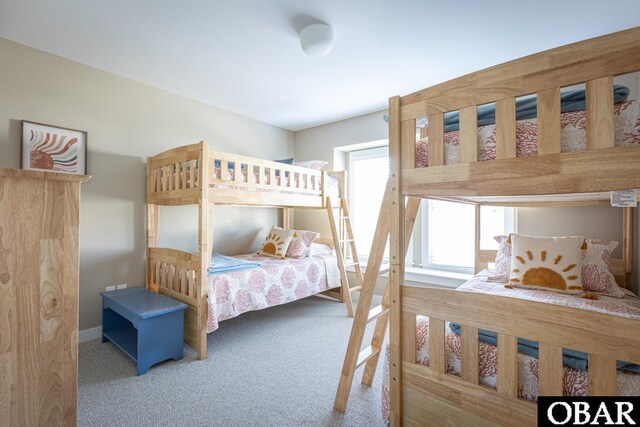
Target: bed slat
x,y
468,134
506,128
507,365
469,343
436,344
408,135
436,139
549,137
602,376
551,371
600,113
408,337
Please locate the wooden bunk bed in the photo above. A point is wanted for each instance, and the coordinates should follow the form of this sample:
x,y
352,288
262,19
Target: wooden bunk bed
x,y
549,178
194,174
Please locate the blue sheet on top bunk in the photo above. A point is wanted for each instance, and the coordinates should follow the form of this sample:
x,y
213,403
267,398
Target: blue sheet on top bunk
x,y
222,264
527,108
572,358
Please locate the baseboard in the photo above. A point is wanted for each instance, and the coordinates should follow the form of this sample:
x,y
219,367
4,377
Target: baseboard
x,y
89,334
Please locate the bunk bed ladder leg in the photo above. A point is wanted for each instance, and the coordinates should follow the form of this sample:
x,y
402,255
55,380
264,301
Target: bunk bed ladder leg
x,y
354,357
411,212
338,240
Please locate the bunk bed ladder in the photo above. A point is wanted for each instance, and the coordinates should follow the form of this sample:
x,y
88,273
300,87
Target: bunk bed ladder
x,y
355,356
343,239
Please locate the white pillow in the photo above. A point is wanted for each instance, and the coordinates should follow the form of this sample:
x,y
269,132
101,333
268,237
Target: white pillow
x,y
547,263
319,249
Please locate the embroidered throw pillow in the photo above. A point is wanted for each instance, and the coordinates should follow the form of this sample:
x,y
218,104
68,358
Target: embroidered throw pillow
x,y
277,243
547,263
596,268
300,243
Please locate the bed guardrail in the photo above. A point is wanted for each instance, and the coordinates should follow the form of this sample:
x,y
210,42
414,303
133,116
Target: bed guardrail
x,y
593,62
603,337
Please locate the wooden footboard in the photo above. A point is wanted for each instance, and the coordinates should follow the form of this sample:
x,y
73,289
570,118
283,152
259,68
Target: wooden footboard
x,y
429,393
175,273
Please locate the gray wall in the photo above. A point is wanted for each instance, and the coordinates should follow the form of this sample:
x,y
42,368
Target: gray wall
x,y
127,121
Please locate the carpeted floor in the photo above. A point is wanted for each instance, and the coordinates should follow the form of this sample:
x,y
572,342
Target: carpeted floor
x,y
274,367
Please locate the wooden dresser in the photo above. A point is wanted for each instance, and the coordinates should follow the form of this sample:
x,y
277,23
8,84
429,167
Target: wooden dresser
x,y
39,219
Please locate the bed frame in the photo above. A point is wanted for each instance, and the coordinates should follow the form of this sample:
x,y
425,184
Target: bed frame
x,y
186,175
420,393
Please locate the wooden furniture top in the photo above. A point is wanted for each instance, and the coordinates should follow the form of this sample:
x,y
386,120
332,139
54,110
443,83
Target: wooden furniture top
x,y
36,174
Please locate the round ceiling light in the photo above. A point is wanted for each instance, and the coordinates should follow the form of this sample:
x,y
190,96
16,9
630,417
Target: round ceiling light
x,y
317,39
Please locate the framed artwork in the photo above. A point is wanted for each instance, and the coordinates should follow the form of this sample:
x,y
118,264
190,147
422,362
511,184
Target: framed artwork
x,y
52,148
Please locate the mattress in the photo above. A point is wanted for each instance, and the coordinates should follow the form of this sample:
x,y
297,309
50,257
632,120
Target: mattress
x,y
275,282
573,135
575,382
333,183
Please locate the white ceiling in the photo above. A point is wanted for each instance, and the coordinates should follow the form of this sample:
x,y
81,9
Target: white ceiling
x,y
244,55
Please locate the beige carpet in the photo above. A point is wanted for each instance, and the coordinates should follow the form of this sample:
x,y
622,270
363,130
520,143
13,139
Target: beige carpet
x,y
274,367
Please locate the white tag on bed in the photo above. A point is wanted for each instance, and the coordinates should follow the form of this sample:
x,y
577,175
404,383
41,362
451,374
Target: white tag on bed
x,y
624,199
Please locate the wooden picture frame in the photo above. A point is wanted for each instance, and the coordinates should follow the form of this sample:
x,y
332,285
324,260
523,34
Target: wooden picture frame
x,y
52,148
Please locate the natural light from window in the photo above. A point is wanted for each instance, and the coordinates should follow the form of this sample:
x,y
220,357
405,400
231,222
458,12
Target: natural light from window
x,y
368,173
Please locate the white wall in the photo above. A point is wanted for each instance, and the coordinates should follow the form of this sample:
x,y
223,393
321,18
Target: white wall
x,y
126,122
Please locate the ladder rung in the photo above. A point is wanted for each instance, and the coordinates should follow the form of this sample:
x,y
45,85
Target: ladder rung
x,y
377,312
345,240
355,288
342,217
384,269
366,354
351,263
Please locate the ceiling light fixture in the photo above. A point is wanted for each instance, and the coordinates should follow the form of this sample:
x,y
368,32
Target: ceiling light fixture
x,y
317,39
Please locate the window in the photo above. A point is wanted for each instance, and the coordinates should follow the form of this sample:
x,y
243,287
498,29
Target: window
x,y
444,232
368,174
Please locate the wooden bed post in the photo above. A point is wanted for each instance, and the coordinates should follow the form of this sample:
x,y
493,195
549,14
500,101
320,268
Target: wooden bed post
x,y
152,228
286,218
396,274
204,246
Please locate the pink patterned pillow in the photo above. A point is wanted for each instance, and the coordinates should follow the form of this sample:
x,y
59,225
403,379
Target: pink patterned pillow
x,y
596,268
503,260
312,164
301,242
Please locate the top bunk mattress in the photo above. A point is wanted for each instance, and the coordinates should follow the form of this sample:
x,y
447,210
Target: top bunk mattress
x,y
573,135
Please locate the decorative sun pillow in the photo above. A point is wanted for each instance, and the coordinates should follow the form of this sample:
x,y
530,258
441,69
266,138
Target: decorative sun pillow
x,y
547,263
277,243
301,242
596,268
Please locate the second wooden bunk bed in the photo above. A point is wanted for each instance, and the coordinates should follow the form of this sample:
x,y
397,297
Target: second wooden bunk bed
x,y
195,175
419,393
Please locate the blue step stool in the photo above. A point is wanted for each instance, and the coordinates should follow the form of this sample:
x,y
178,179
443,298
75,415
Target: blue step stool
x,y
147,326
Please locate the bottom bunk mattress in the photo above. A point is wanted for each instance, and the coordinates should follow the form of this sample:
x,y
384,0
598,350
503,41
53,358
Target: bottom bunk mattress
x,y
275,282
575,382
